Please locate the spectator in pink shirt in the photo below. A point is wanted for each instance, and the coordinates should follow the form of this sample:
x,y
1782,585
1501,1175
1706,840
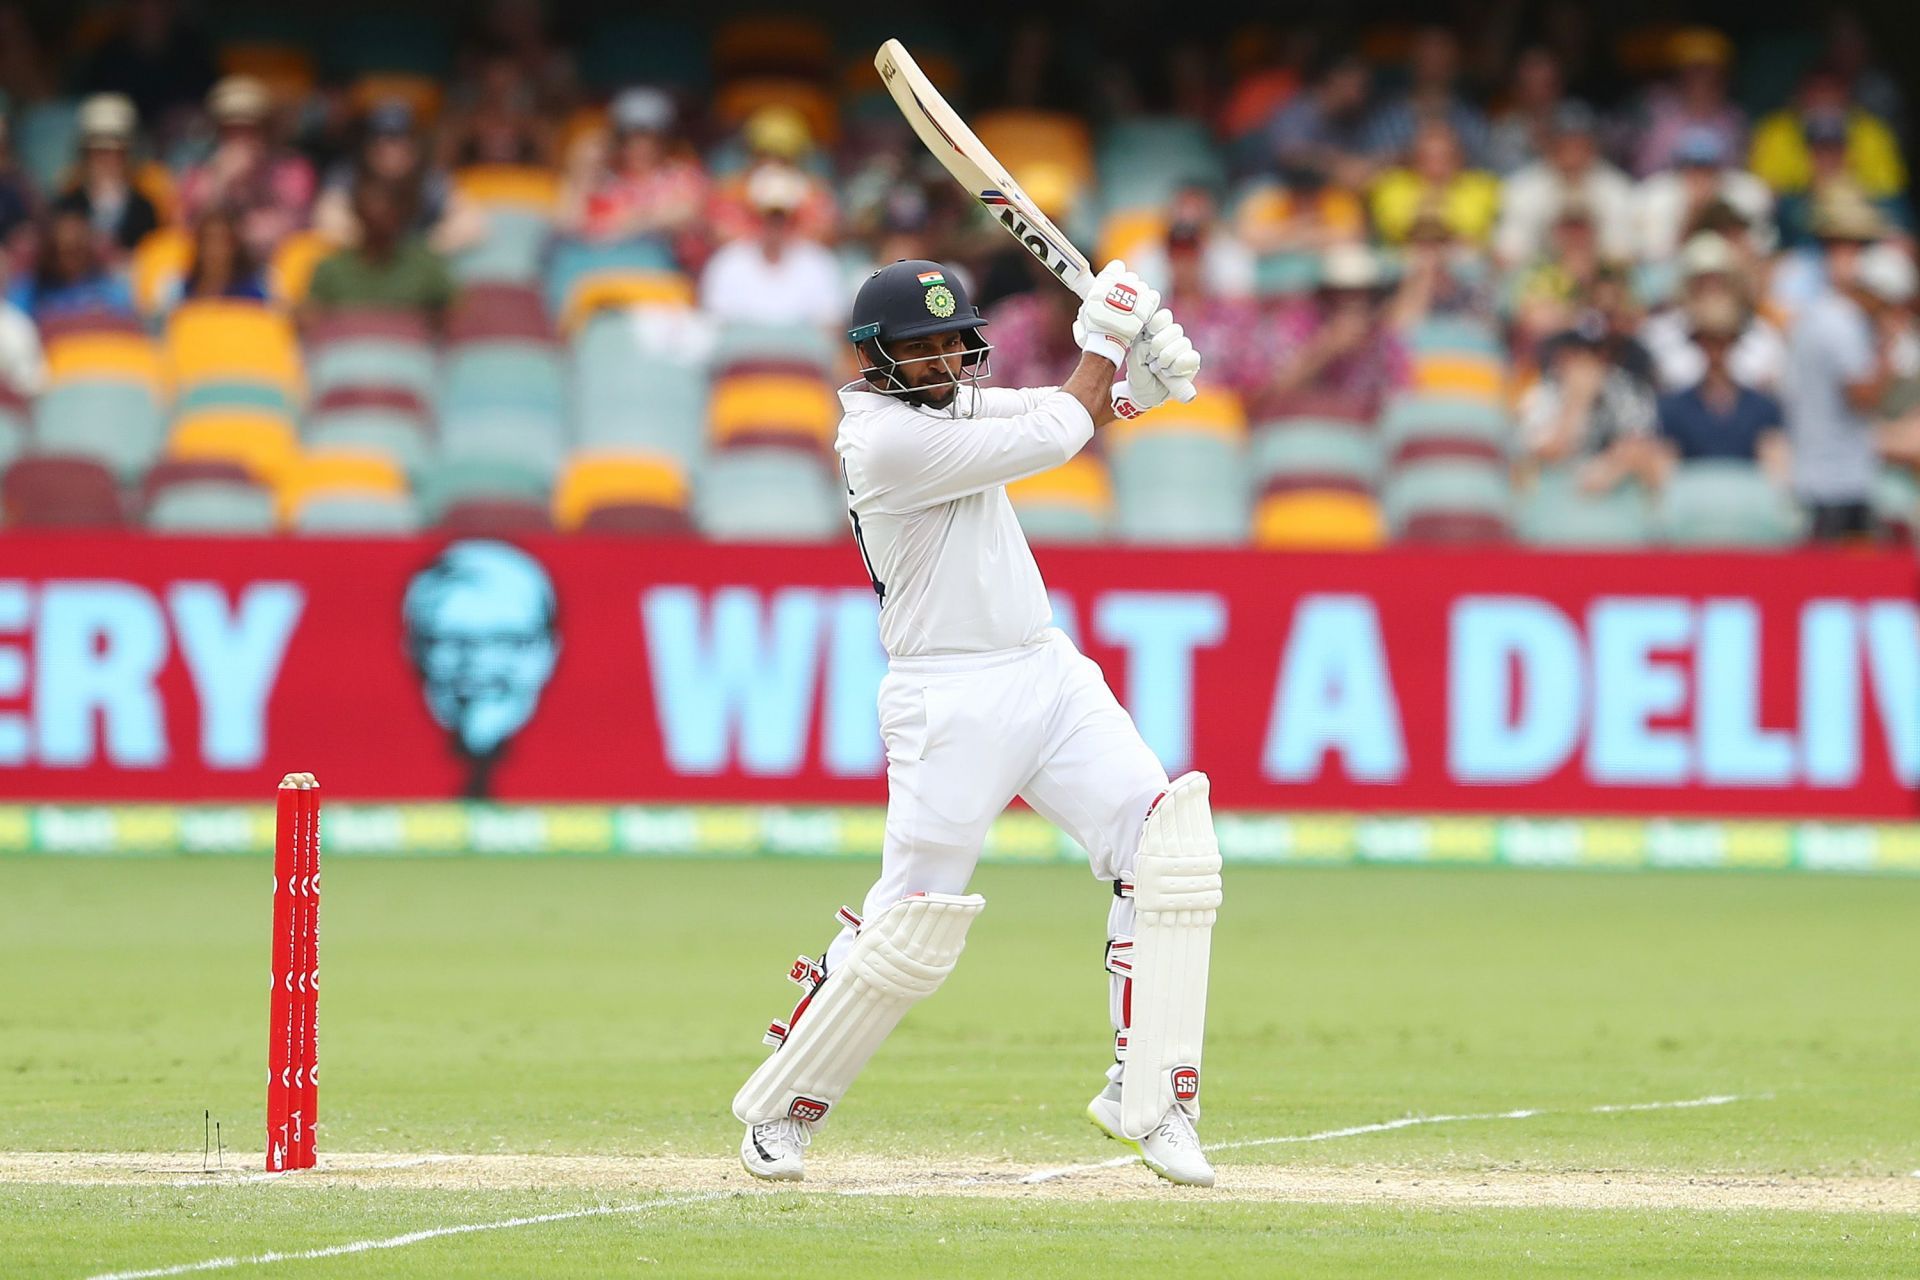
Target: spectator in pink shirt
x,y
1342,346
269,187
634,181
1694,99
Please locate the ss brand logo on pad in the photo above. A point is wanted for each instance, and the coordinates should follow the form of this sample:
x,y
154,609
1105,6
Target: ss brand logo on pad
x,y
807,1109
1122,297
1186,1083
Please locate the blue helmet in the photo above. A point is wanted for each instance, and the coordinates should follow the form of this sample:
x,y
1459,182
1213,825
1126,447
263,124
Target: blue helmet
x,y
912,298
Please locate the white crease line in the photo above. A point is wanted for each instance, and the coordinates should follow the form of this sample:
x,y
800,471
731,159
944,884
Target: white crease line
x,y
1405,1122
414,1237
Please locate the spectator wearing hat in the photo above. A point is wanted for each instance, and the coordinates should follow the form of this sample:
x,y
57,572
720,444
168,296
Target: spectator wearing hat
x,y
775,136
388,267
1830,172
1435,178
1571,172
1722,415
634,181
1715,280
1546,295
1782,153
70,274
391,150
1342,345
269,186
1521,128
1593,407
778,275
1694,99
1442,275
1669,205
1842,222
1433,68
1842,359
104,190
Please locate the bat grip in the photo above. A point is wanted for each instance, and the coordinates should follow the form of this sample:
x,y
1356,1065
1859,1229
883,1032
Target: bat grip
x,y
1181,389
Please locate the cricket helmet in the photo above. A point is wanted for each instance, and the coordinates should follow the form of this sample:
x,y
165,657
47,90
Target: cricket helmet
x,y
912,298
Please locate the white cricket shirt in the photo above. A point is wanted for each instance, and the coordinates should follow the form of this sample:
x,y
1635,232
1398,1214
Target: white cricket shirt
x,y
926,491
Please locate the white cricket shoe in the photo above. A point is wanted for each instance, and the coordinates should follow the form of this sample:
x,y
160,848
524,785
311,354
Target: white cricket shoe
x,y
1171,1148
776,1150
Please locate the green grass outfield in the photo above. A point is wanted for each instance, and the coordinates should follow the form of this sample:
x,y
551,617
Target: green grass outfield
x,y
572,1030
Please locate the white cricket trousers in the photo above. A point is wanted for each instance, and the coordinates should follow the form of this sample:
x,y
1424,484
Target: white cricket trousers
x,y
966,733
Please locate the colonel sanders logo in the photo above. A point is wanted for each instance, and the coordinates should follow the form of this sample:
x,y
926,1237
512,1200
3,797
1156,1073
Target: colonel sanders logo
x,y
480,630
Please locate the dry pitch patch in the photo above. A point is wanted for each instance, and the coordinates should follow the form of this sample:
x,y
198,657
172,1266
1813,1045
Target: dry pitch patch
x,y
866,1175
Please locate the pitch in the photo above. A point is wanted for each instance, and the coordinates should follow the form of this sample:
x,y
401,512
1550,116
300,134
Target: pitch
x,y
526,1071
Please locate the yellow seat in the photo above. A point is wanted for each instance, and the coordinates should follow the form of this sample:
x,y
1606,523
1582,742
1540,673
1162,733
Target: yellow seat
x,y
1213,411
420,93
1081,482
739,99
773,404
1128,232
1024,139
857,80
1318,520
595,480
287,70
263,443
510,185
110,357
308,476
158,265
1460,376
291,270
762,41
601,290
228,341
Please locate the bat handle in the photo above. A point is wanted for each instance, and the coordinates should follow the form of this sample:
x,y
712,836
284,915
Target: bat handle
x,y
1181,389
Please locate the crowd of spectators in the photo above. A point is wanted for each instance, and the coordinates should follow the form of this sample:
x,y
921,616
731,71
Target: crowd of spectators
x,y
1676,271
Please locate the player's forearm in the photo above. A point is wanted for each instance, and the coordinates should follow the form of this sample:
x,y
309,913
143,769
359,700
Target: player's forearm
x,y
1092,385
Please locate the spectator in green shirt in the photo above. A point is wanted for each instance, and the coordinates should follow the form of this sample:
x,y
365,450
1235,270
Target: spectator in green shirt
x,y
389,270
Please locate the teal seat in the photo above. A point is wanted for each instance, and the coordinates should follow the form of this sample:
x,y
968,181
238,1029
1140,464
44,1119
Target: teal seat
x,y
1176,487
13,434
512,251
1896,500
1556,513
798,342
358,515
46,138
452,480
115,423
1314,447
512,435
1047,522
1285,274
572,259
1455,335
1143,161
374,362
626,397
1726,504
212,506
1413,418
1445,488
767,495
371,429
495,374
234,395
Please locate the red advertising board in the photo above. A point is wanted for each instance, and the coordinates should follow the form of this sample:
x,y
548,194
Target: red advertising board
x,y
587,669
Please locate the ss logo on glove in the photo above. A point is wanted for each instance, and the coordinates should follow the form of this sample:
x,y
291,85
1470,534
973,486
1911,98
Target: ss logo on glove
x,y
1122,298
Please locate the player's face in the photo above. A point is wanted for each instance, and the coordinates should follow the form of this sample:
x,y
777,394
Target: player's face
x,y
932,362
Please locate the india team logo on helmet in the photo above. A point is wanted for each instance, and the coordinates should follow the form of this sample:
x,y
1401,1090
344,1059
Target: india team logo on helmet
x,y
940,301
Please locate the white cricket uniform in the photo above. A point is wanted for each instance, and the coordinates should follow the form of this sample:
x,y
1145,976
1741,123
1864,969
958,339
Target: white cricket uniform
x,y
984,699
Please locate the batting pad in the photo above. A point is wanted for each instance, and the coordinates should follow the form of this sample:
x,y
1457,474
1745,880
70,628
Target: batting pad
x,y
1176,892
899,958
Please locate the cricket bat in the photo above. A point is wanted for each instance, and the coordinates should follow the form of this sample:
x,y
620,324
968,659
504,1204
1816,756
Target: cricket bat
x,y
974,167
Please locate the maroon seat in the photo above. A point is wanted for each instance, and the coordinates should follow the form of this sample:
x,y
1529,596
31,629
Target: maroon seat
x,y
637,518
50,492
496,515
166,475
397,399
1299,481
768,364
65,324
1324,406
491,312
372,322
1448,448
1455,528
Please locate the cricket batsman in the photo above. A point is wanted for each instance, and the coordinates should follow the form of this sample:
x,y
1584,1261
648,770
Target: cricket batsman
x,y
984,699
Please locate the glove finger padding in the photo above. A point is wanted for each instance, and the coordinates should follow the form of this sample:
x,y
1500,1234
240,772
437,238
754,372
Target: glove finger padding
x,y
1114,312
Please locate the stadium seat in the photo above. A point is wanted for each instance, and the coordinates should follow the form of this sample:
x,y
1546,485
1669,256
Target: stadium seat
x,y
291,270
1416,427
1896,503
498,312
1143,161
1555,512
575,261
1181,487
495,517
108,357
518,436
1465,376
512,249
285,68
59,493
743,343
496,374
315,476
1726,504
169,472
117,424
773,44
768,495
617,290
500,187
773,409
46,136
452,482
421,93
157,267
1071,503
633,483
358,515
264,444
737,99
1211,412
375,363
627,397
225,341
1454,335
388,423
1129,234
212,506
1318,520
1022,139
62,325
14,417
1300,450
265,397
1447,500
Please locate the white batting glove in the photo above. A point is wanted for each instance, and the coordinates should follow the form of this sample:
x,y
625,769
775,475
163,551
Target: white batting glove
x,y
1162,362
1117,308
